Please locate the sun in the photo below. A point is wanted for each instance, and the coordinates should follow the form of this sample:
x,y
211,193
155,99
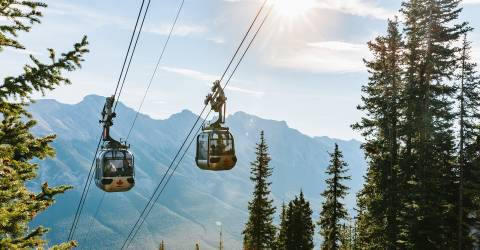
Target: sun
x,y
293,8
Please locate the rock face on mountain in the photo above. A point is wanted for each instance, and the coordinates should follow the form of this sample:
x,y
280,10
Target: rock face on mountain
x,y
194,201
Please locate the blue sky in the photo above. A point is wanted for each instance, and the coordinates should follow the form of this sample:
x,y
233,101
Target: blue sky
x,y
306,70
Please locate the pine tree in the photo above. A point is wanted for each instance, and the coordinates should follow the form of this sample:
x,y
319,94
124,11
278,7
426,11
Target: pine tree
x,y
347,236
469,131
259,233
296,228
307,228
333,210
428,158
220,243
162,246
18,146
282,232
379,197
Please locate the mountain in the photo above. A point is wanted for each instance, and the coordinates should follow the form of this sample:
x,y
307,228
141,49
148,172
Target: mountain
x,y
195,200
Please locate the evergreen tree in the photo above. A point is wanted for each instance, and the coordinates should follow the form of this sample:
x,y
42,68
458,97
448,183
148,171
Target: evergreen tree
x,y
297,228
347,236
220,243
259,233
19,148
429,214
282,232
411,195
333,210
162,246
379,197
469,131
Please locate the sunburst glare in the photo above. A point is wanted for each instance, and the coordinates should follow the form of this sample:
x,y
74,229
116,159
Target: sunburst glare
x,y
293,8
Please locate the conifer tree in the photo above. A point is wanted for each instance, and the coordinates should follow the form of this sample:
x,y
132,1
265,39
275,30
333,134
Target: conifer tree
x,y
333,210
429,216
19,147
379,197
469,131
297,228
347,237
282,231
162,245
259,233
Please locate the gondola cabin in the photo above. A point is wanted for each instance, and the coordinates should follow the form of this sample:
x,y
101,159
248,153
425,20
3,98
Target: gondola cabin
x,y
215,150
114,171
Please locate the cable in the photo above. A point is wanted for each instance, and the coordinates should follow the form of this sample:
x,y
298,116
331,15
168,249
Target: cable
x,y
129,46
158,62
123,82
91,225
128,242
131,57
191,130
243,39
87,184
156,68
83,197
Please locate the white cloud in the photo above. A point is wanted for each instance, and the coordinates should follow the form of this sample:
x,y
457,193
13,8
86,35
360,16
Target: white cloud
x,y
96,19
358,8
217,40
471,1
322,57
363,8
87,15
208,79
180,29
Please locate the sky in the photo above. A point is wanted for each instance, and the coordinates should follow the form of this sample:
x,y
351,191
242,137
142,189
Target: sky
x,y
305,67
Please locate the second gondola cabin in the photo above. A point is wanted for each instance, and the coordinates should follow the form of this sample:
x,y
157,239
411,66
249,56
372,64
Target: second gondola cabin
x,y
215,150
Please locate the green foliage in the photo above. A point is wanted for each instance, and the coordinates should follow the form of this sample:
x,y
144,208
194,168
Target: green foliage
x,y
468,96
20,16
333,210
414,195
259,232
381,127
18,146
162,246
347,236
296,226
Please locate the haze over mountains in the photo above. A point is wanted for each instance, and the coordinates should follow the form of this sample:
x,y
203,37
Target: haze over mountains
x,y
195,200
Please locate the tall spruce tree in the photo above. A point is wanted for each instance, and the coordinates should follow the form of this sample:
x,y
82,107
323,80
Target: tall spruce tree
x,y
347,237
379,197
259,233
428,160
296,226
468,98
333,210
282,231
18,146
162,246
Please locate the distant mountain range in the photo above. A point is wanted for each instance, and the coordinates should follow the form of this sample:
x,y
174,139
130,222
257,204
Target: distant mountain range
x,y
195,200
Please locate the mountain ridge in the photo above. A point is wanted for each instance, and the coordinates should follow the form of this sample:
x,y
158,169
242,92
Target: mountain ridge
x,y
193,197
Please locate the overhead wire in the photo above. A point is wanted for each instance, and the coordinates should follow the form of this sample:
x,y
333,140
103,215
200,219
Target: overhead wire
x,y
90,228
156,68
83,197
157,196
133,52
123,72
